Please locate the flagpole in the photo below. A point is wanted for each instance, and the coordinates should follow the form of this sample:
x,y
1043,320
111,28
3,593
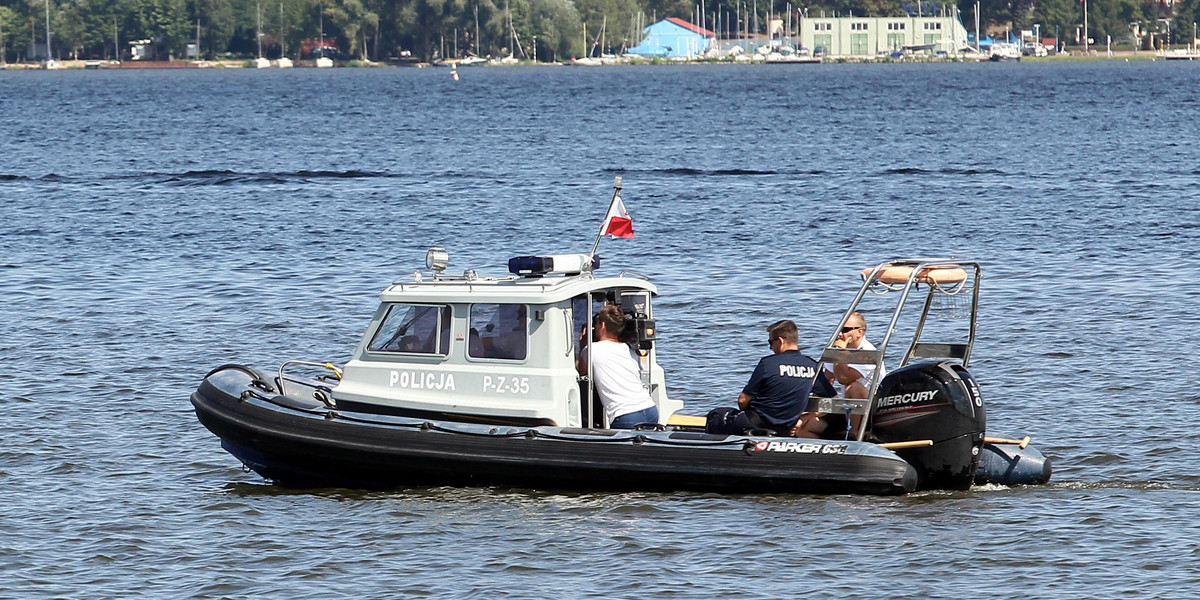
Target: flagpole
x,y
604,225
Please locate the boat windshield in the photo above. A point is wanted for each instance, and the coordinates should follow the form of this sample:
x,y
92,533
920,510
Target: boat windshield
x,y
414,328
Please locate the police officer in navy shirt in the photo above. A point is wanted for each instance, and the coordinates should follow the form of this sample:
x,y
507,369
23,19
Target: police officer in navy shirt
x,y
778,390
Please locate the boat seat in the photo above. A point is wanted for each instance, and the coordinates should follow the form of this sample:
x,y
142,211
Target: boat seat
x,y
836,409
857,406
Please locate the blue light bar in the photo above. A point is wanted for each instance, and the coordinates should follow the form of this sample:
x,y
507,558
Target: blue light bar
x,y
562,264
530,265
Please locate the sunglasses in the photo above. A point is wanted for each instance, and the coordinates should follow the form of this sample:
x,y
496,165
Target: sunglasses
x,y
848,329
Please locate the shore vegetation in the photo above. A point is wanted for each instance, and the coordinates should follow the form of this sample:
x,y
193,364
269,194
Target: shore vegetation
x,y
541,30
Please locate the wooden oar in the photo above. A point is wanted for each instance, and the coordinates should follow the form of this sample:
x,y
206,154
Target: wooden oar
x,y
909,444
1021,443
921,443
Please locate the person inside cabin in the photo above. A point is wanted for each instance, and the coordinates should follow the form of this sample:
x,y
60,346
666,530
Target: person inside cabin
x,y
778,390
854,379
616,372
505,334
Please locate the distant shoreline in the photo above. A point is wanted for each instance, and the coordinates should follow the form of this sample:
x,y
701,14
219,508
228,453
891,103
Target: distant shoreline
x,y
1076,55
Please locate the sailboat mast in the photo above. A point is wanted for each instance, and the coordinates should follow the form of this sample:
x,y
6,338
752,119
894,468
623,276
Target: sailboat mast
x,y
49,54
282,39
977,26
258,28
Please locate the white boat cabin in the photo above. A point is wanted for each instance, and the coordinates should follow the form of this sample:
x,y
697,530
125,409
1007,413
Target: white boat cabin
x,y
497,349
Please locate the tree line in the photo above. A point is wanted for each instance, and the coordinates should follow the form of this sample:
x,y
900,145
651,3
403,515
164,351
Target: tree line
x,y
545,29
1161,22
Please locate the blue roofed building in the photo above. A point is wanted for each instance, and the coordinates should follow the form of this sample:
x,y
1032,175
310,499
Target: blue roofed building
x,y
673,37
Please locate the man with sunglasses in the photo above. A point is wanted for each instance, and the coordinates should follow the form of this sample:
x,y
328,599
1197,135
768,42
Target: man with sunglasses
x,y
778,388
855,379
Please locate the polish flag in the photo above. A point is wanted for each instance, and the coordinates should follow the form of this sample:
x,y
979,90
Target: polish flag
x,y
617,222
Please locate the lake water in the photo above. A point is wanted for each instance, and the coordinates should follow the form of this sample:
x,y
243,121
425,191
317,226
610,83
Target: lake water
x,y
158,224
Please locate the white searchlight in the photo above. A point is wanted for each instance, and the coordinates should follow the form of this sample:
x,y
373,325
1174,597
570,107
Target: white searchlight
x,y
437,259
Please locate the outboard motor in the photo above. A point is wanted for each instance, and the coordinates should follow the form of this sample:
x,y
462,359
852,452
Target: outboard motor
x,y
932,401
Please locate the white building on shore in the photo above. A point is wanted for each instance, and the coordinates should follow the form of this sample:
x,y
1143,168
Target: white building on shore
x,y
868,37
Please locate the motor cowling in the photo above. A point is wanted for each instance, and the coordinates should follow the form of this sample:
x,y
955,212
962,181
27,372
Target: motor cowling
x,y
936,401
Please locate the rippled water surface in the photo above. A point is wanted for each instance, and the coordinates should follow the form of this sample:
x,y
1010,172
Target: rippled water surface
x,y
158,224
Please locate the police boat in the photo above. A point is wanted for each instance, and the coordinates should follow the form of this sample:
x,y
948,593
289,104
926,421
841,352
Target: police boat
x,y
471,380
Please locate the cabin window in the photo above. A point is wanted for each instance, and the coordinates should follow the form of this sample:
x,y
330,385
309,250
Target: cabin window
x,y
414,329
579,320
498,331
